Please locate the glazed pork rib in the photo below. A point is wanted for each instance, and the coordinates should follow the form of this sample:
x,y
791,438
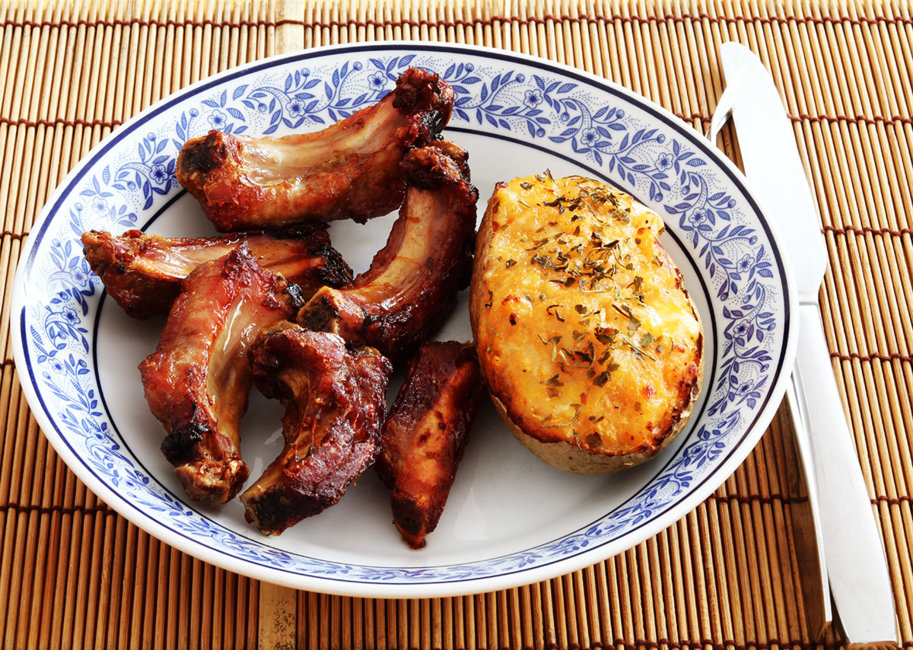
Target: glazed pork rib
x,y
425,434
348,170
144,272
198,379
413,282
334,400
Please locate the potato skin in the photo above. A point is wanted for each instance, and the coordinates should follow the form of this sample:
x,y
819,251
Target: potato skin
x,y
590,345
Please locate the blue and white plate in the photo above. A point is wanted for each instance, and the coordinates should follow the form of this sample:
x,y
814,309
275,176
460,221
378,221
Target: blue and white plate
x,y
510,519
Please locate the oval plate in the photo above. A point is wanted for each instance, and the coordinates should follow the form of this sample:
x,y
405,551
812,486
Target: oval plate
x,y
510,519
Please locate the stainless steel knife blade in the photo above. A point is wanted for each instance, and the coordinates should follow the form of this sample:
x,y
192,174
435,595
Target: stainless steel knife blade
x,y
853,550
773,166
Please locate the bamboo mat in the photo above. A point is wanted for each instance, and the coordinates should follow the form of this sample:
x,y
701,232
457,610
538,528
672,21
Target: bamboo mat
x,y
75,574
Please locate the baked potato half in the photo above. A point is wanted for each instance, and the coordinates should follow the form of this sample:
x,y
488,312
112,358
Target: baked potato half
x,y
589,342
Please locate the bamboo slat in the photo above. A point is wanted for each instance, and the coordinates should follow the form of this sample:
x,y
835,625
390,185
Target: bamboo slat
x,y
73,573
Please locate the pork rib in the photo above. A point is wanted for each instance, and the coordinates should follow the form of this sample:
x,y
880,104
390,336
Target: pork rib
x,y
348,170
144,272
198,379
334,401
413,282
425,434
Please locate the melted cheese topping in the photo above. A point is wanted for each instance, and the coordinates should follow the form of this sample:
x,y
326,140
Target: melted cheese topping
x,y
583,327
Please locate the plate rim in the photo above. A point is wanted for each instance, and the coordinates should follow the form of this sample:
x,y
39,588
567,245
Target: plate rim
x,y
356,587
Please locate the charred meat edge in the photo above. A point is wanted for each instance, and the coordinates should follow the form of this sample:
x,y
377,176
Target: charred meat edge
x,y
198,379
349,170
334,400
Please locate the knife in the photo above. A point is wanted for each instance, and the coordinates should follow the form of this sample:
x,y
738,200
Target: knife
x,y
804,513
853,552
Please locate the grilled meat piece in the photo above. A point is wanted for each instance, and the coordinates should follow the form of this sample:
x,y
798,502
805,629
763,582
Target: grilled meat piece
x,y
414,280
334,400
197,381
348,170
143,272
425,433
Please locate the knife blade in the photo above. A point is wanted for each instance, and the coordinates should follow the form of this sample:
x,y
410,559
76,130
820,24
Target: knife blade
x,y
853,551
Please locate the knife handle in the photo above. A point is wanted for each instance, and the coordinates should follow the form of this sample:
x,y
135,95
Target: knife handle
x,y
854,551
806,521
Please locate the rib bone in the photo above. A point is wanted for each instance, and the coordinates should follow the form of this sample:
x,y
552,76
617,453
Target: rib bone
x,y
414,280
144,272
348,170
197,381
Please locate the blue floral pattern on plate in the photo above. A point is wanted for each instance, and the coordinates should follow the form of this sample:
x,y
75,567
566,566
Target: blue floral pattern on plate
x,y
617,135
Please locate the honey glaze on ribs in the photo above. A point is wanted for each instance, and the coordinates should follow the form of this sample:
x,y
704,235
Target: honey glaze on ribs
x,y
198,379
348,170
144,272
413,282
334,400
425,434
